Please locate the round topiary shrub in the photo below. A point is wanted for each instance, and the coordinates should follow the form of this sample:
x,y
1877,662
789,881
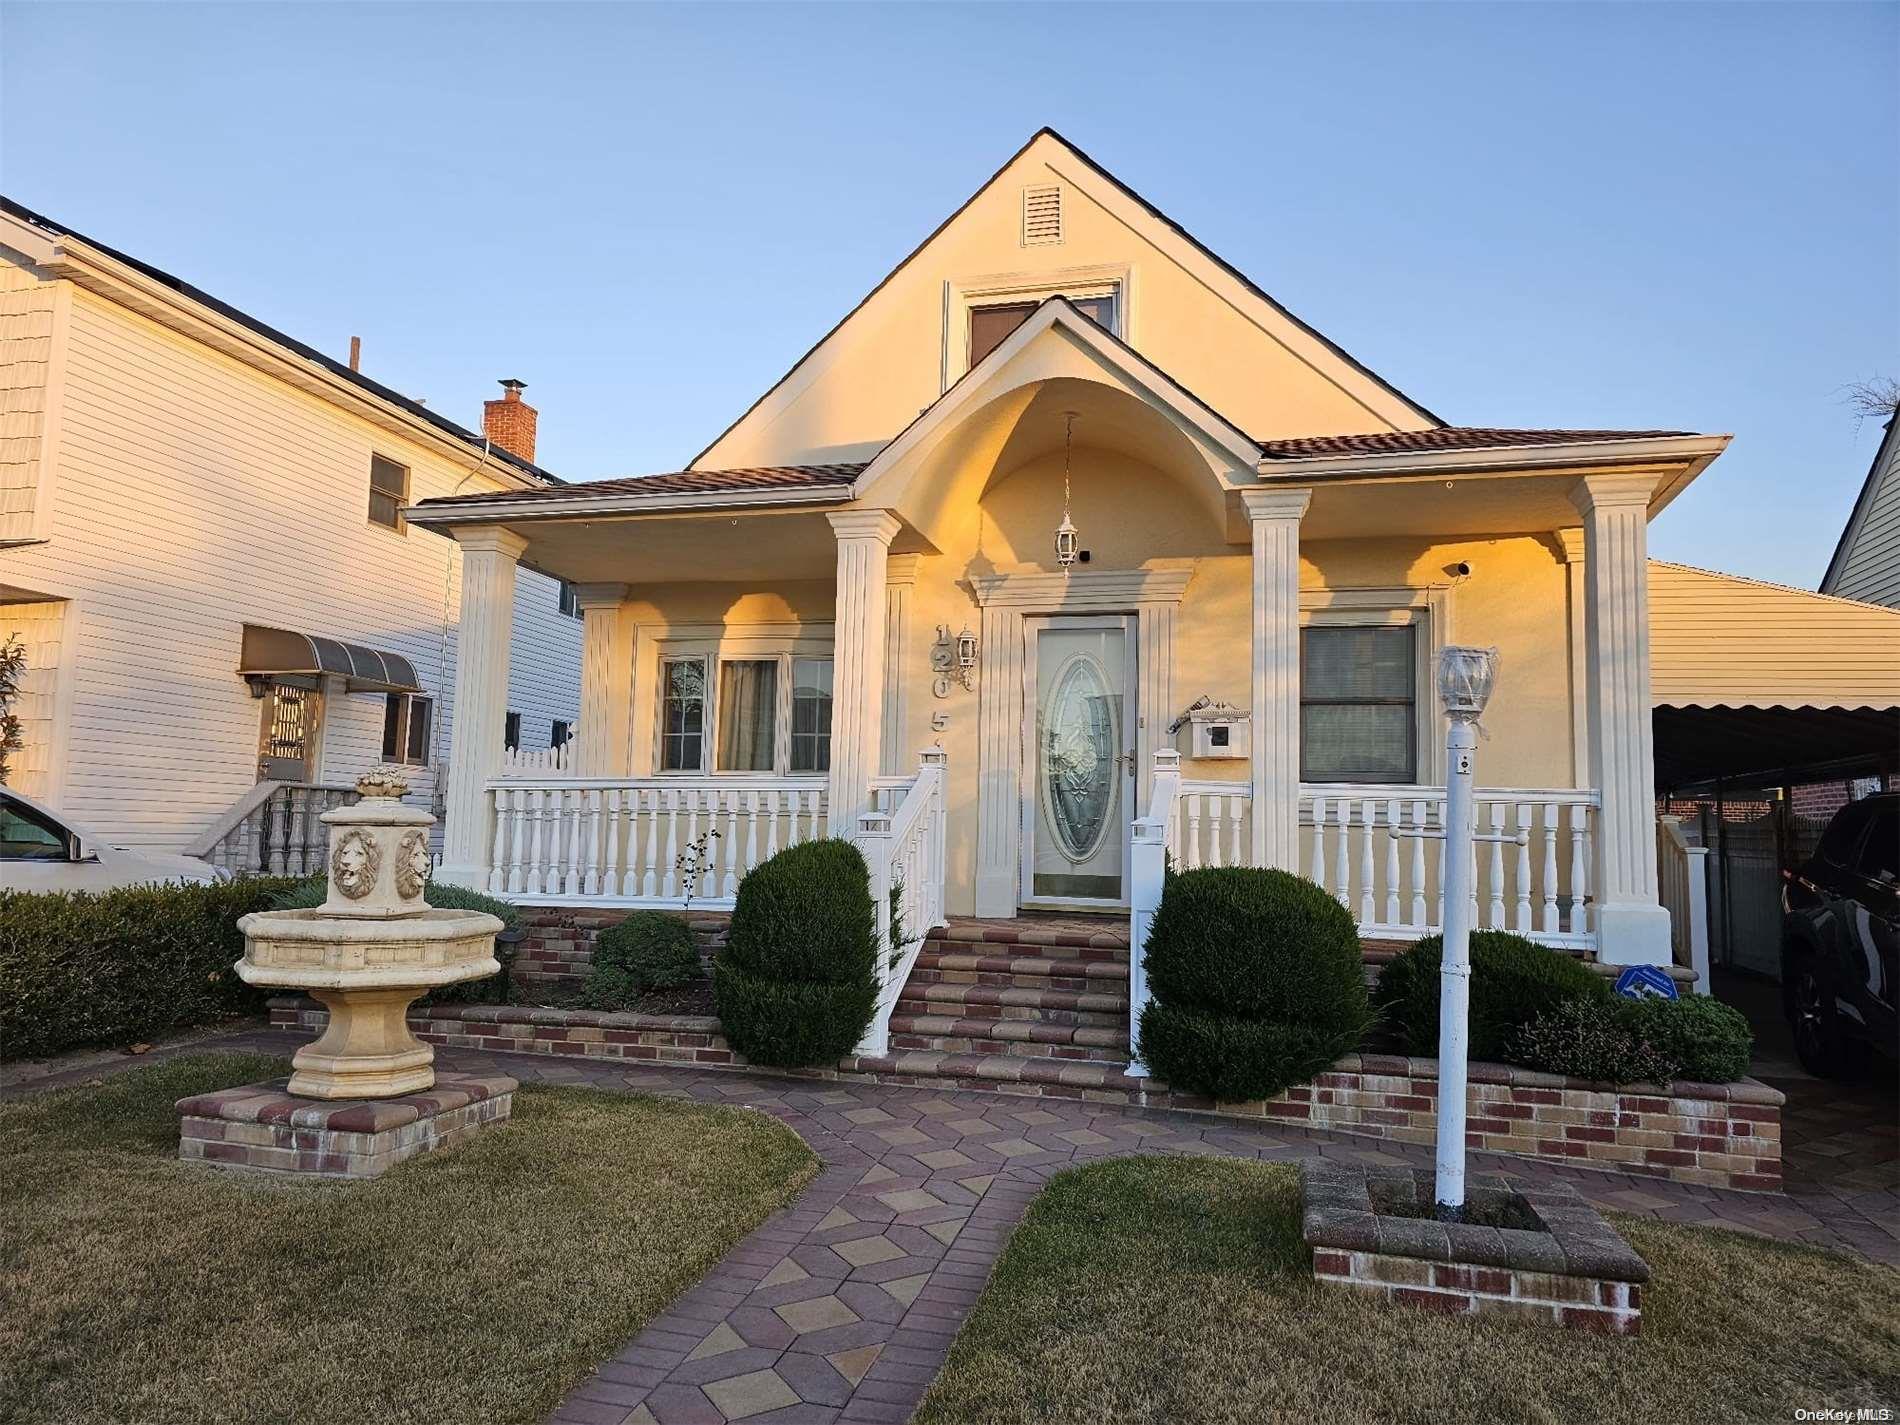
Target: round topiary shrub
x,y
1257,983
649,950
1513,980
796,984
1708,1042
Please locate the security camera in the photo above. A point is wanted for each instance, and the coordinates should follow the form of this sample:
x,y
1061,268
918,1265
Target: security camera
x,y
1462,568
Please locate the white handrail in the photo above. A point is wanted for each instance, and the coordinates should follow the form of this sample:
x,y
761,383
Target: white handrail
x,y
1682,876
904,852
1153,839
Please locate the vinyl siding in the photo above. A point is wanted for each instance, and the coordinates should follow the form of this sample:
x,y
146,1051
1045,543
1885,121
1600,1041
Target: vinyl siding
x,y
26,341
1869,566
1720,640
195,495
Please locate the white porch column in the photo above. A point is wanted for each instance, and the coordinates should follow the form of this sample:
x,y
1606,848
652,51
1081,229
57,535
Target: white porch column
x,y
1632,926
1276,514
606,682
481,698
857,668
900,581
1570,543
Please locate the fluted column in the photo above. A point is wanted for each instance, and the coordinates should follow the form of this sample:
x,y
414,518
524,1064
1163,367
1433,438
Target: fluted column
x,y
1275,514
606,683
1570,544
481,698
857,669
900,580
1632,926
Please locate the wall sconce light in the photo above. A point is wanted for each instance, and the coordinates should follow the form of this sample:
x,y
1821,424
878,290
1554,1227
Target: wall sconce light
x,y
953,659
258,684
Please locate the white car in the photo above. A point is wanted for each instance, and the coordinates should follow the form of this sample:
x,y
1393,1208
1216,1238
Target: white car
x,y
41,851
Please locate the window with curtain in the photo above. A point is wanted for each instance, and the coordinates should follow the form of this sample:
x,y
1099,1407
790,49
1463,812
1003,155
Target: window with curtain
x,y
990,326
1358,703
811,715
683,715
747,716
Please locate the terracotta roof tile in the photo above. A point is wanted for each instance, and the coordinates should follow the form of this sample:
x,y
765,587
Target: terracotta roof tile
x,y
1406,442
687,482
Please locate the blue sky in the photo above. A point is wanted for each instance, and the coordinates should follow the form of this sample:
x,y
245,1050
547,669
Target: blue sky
x,y
1683,216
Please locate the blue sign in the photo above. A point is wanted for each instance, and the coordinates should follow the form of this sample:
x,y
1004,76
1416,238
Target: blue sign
x,y
1646,982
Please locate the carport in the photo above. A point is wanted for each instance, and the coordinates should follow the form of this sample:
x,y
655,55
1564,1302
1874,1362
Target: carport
x,y
1759,692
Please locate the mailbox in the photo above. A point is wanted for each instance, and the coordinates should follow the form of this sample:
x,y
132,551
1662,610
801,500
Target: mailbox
x,y
1214,732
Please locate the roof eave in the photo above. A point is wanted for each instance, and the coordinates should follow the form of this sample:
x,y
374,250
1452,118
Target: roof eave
x,y
440,513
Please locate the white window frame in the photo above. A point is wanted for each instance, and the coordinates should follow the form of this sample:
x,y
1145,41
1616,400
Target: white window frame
x,y
713,654
404,722
1427,610
1001,289
401,526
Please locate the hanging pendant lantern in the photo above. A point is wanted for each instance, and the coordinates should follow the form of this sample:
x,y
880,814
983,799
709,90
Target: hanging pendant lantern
x,y
1068,540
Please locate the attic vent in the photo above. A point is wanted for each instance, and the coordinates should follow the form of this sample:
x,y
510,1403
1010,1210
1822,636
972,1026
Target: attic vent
x,y
1042,216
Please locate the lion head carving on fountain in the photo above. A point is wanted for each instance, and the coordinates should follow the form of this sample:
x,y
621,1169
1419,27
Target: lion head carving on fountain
x,y
354,863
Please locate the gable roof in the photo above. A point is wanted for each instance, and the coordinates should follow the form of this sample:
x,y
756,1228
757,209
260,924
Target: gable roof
x,y
290,344
1864,501
1147,207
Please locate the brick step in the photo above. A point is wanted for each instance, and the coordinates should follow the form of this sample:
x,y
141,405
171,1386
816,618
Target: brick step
x,y
960,1044
1033,1034
1031,971
1050,1076
1050,944
1101,1011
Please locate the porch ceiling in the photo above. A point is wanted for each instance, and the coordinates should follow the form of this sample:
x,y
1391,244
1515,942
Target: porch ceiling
x,y
1457,505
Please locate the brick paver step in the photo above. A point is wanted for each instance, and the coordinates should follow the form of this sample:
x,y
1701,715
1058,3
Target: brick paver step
x,y
1027,968
957,1002
1053,944
1002,1036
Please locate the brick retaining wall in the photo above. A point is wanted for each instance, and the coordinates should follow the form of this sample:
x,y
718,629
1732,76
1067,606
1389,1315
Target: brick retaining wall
x,y
1716,1135
558,943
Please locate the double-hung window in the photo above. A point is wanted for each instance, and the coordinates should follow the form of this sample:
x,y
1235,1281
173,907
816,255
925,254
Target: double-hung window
x,y
1359,703
406,719
388,491
767,714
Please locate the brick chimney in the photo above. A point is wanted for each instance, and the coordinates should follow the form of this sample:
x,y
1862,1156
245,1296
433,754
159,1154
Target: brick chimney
x,y
509,422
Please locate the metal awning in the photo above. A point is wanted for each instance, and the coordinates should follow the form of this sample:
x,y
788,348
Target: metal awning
x,y
274,652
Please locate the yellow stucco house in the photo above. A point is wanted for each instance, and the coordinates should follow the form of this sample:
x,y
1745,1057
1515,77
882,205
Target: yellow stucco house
x,y
849,613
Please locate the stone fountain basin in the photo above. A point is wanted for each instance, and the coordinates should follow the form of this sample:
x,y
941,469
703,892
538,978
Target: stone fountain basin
x,y
313,949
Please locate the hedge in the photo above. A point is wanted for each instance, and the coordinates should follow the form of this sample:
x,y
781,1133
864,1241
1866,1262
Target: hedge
x,y
1630,1041
498,988
796,984
1256,981
649,950
79,970
1513,980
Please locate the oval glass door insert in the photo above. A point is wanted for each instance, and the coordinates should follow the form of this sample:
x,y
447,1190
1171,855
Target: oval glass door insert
x,y
1079,747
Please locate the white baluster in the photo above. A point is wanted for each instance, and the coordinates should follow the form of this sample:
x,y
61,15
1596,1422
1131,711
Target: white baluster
x,y
518,838
1342,854
1420,914
1368,819
669,879
771,826
1236,831
752,801
1192,856
1392,861
1549,836
1319,842
730,887
572,808
650,881
587,808
1579,868
1521,823
537,868
613,880
497,870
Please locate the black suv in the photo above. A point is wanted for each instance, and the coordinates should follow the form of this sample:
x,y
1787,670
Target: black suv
x,y
1839,932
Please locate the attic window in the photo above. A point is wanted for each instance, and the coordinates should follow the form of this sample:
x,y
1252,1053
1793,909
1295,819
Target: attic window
x,y
1042,216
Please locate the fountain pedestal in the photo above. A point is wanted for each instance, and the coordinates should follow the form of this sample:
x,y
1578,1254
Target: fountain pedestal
x,y
365,1094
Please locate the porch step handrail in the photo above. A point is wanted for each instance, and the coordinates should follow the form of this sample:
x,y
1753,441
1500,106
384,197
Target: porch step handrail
x,y
904,850
1682,876
1154,838
273,829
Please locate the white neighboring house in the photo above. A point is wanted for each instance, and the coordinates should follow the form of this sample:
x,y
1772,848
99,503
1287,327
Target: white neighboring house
x,y
226,618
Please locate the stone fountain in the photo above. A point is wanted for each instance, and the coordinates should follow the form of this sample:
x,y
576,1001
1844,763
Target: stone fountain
x,y
367,953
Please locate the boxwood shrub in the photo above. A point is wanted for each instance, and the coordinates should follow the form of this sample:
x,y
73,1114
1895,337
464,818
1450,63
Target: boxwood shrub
x,y
1708,1042
649,950
1256,980
311,891
1628,1041
796,983
79,970
1513,980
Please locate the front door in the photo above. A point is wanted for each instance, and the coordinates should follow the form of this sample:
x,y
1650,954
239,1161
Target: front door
x,y
1079,762
287,736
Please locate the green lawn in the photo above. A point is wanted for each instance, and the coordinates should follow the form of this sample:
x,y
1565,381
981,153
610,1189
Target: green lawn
x,y
475,1286
1176,1291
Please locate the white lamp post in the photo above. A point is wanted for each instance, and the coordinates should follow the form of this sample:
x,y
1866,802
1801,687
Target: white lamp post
x,y
1464,685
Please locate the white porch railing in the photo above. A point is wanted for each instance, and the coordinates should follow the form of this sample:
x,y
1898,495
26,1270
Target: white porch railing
x,y
273,829
538,761
904,848
1376,848
1682,872
1155,835
658,841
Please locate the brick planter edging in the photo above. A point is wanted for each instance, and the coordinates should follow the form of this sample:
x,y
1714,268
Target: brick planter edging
x,y
1578,1272
1713,1135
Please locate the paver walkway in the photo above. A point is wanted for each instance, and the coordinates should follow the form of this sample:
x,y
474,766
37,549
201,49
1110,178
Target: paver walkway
x,y
842,1307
